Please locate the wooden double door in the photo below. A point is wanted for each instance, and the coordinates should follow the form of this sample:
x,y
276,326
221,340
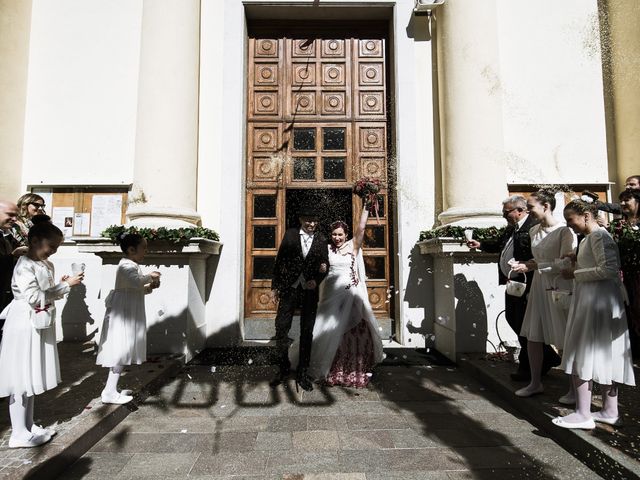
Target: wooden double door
x,y
317,121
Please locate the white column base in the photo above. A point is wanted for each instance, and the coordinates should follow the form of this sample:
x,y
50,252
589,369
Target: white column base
x,y
149,216
472,217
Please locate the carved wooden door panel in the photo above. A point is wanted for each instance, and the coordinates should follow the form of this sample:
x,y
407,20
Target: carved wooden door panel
x,y
316,119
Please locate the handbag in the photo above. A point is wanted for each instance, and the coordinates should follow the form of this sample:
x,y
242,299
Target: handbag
x,y
515,288
42,316
561,298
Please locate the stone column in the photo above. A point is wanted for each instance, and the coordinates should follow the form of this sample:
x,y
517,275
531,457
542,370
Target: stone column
x,y
166,161
473,164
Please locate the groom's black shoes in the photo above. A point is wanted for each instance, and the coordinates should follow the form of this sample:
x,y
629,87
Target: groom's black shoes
x,y
304,380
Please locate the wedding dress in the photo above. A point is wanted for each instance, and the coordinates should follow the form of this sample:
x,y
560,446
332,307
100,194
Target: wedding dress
x,y
346,337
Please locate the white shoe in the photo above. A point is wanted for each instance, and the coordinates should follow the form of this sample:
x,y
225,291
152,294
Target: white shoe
x,y
586,425
32,441
615,421
567,399
38,430
118,399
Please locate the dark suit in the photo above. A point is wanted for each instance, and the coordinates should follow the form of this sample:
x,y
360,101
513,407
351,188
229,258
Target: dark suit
x,y
290,264
7,262
515,307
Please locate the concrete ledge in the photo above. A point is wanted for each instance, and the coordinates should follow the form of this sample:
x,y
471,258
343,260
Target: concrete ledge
x,y
599,456
55,457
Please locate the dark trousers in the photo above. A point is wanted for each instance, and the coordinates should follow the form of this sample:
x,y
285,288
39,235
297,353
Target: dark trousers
x,y
514,312
289,300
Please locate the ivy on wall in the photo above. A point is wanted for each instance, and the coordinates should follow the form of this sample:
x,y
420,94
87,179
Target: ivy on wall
x,y
172,235
450,231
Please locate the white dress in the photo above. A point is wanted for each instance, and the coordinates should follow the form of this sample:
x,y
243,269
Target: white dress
x,y
597,344
28,356
341,307
123,340
544,320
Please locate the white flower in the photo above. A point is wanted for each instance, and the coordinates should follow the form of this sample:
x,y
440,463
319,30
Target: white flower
x,y
586,198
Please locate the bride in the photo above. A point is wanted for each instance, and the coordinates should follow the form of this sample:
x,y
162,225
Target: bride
x,y
346,340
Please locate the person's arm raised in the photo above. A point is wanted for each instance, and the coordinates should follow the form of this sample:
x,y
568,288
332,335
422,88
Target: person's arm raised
x,y
358,235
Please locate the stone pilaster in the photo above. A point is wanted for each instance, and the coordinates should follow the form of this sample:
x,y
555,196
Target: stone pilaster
x,y
473,168
166,161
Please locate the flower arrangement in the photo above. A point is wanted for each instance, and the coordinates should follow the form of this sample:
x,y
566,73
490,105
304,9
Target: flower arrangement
x,y
627,236
456,232
172,235
369,190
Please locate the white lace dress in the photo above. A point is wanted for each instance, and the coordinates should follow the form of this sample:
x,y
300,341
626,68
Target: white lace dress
x,y
123,340
544,320
346,333
29,356
597,344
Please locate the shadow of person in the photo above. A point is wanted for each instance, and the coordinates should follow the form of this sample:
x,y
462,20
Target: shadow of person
x,y
471,313
76,316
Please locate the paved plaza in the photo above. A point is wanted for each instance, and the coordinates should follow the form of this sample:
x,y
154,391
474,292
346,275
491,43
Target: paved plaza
x,y
414,422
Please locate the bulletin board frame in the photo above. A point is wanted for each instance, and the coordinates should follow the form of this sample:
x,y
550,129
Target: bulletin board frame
x,y
78,203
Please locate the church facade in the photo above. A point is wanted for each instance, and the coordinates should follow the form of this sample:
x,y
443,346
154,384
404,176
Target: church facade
x,y
231,114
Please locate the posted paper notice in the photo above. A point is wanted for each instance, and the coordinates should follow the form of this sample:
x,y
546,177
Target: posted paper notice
x,y
106,210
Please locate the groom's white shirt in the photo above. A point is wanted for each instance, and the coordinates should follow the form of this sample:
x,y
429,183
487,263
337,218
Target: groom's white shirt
x,y
306,239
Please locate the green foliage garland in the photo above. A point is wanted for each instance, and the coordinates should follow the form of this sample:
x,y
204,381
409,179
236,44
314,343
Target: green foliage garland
x,y
450,231
172,235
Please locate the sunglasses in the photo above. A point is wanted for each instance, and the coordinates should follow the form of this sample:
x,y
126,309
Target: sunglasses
x,y
38,205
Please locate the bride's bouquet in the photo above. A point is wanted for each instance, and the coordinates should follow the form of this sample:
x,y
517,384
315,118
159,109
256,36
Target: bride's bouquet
x,y
369,190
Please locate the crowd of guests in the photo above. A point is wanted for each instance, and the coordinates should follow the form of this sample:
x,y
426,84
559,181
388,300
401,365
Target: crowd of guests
x,y
580,308
29,362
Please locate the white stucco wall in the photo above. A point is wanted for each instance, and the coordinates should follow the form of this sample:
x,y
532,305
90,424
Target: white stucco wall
x,y
550,80
82,92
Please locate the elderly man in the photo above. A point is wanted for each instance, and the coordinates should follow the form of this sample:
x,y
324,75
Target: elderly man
x,y
8,217
515,243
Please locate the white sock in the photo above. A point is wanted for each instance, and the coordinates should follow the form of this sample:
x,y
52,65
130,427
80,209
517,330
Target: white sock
x,y
18,412
111,388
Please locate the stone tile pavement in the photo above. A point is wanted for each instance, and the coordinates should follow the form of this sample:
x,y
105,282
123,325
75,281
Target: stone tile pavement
x,y
73,408
614,451
414,422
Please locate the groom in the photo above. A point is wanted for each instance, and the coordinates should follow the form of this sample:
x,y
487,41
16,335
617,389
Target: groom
x,y
296,279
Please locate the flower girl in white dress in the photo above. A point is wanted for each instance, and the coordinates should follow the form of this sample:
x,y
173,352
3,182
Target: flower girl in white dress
x,y
596,346
123,340
28,354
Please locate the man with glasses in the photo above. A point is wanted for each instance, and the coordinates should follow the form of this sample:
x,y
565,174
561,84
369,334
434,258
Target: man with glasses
x,y
515,244
8,217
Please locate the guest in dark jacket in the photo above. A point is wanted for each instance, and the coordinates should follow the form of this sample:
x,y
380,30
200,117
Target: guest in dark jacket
x,y
301,265
515,243
8,257
632,183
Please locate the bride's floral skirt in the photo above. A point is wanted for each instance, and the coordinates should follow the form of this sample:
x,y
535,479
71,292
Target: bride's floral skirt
x,y
353,363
